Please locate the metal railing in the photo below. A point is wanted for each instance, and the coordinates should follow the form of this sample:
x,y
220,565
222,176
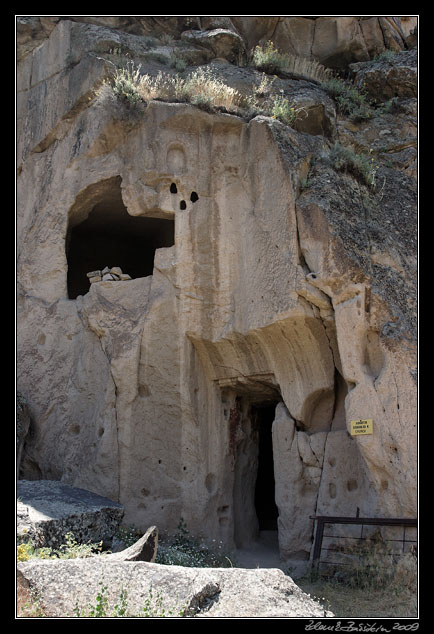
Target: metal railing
x,y
322,521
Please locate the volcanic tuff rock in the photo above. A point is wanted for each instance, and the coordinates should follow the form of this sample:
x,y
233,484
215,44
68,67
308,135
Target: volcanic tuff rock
x,y
269,281
199,592
333,41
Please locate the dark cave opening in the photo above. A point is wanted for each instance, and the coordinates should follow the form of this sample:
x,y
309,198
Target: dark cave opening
x,y
265,506
110,236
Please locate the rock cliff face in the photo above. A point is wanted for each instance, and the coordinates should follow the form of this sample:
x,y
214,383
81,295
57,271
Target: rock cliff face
x,y
272,299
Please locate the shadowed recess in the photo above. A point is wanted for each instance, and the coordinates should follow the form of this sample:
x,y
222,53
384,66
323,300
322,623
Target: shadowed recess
x,y
109,236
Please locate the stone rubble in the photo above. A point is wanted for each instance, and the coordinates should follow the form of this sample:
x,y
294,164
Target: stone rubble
x,y
113,274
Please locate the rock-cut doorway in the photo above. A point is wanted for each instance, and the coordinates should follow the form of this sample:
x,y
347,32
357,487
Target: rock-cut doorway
x,y
255,509
264,500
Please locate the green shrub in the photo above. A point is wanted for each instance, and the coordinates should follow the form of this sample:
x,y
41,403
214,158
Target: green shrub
x,y
283,110
268,59
26,551
125,84
361,166
71,549
177,62
349,99
384,56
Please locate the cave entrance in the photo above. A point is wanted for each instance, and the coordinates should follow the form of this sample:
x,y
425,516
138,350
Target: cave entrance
x,y
255,509
264,500
102,233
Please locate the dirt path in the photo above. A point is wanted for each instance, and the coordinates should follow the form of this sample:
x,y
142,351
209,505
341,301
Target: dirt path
x,y
262,554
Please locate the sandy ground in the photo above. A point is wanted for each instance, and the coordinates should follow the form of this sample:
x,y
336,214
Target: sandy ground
x,y
262,554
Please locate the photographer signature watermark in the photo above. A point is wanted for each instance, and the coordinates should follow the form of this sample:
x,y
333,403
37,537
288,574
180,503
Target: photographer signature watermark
x,y
352,626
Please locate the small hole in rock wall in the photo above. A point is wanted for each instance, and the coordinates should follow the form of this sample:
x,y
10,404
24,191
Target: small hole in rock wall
x,y
182,205
173,188
194,197
352,485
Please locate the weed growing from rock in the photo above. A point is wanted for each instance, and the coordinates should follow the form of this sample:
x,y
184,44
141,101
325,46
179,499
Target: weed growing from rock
x,y
270,60
284,110
350,100
152,608
362,166
125,84
201,88
70,549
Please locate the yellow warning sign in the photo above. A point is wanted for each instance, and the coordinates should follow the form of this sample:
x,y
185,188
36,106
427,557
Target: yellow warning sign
x,y
361,427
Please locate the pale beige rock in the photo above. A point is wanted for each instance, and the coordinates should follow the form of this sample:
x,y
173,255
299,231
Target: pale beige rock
x,y
338,41
273,293
174,590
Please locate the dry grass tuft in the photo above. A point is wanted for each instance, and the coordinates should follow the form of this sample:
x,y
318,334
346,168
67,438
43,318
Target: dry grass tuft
x,y
373,584
270,60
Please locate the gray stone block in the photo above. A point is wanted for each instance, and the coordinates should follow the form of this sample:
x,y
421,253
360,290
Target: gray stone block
x,y
47,510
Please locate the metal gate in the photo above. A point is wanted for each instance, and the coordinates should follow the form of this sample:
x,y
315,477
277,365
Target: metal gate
x,y
404,534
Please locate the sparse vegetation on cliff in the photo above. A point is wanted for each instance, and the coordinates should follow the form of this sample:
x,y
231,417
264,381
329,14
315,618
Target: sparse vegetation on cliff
x,y
201,88
270,60
362,166
350,100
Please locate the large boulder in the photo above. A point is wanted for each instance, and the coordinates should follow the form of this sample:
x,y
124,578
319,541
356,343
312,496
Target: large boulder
x,y
67,586
48,510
